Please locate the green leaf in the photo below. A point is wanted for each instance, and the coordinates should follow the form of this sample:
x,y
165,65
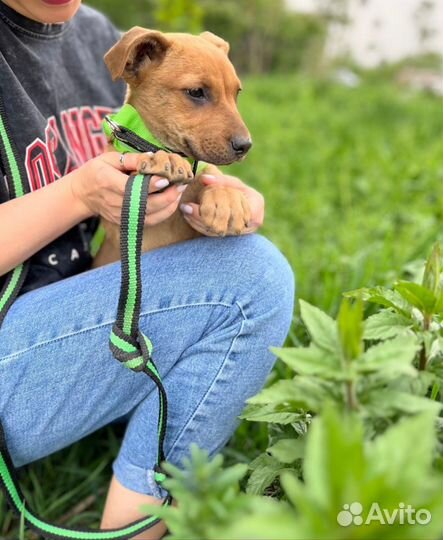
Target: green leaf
x,y
288,450
300,393
320,326
438,308
435,390
405,451
383,297
350,328
432,274
272,413
294,488
231,475
417,295
334,450
395,355
265,469
312,361
386,403
282,391
386,324
267,519
418,385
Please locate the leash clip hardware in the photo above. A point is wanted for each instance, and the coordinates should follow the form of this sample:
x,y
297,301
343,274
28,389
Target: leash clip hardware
x,y
115,128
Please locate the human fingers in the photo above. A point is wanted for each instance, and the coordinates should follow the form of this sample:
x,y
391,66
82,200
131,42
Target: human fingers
x,y
222,180
159,205
122,162
154,218
128,162
117,182
158,201
191,213
256,203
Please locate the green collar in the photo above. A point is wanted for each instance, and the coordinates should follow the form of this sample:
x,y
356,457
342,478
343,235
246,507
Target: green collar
x,y
129,118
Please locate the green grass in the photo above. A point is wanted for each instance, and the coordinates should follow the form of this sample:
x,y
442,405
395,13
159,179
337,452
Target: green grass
x,y
352,179
354,191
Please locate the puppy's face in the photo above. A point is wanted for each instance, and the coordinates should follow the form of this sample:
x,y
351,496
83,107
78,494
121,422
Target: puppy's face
x,y
185,88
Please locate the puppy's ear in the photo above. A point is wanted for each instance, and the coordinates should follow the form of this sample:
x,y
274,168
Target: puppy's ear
x,y
215,40
136,48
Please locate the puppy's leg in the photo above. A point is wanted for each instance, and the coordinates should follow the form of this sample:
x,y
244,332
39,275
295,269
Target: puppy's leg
x,y
175,168
225,211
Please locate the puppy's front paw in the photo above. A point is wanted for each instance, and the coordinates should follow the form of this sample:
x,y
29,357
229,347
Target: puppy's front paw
x,y
224,211
171,166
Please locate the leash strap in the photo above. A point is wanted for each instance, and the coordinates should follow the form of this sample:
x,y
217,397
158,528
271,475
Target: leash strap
x,y
127,343
16,187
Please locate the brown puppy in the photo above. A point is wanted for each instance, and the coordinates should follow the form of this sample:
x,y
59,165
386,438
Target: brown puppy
x,y
185,89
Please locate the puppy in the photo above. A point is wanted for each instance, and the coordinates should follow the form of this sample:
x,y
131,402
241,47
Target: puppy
x,y
185,90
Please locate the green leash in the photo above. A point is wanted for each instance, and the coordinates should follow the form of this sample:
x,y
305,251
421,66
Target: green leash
x,y
127,343
15,278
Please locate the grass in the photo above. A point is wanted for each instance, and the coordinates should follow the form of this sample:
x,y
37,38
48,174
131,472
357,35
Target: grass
x,y
352,179
353,184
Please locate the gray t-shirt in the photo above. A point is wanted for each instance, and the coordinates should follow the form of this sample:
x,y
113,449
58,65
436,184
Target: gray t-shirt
x,y
56,90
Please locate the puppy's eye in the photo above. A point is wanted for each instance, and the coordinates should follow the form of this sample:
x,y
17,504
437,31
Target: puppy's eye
x,y
196,93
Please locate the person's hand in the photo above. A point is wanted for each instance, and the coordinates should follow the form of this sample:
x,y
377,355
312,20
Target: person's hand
x,y
100,184
191,211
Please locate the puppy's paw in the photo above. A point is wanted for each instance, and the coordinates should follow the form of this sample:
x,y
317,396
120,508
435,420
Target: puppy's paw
x,y
224,211
175,168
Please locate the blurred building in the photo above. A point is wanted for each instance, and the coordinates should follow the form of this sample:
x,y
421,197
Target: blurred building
x,y
381,30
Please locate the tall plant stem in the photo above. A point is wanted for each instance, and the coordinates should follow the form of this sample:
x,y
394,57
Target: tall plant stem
x,y
351,395
423,360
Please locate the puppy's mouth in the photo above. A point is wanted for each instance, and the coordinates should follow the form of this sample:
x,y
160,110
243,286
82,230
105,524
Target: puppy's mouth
x,y
211,157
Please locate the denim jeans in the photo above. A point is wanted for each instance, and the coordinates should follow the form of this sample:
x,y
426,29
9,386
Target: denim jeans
x,y
212,308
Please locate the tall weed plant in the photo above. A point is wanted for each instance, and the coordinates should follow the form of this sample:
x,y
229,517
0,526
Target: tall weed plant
x,y
356,431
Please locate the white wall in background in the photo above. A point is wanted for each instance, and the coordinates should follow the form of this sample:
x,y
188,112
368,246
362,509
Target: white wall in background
x,y
383,30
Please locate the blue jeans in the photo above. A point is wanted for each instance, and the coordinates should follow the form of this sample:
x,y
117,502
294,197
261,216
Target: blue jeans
x,y
212,308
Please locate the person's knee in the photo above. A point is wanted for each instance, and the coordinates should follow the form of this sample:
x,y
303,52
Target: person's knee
x,y
247,270
269,277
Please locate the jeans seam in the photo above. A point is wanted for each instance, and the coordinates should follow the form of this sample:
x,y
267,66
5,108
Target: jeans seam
x,y
108,323
242,311
225,359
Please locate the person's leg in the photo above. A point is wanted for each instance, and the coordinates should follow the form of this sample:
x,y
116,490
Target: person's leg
x,y
124,505
214,376
211,307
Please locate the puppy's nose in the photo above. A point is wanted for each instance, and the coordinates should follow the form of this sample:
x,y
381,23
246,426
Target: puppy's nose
x,y
241,145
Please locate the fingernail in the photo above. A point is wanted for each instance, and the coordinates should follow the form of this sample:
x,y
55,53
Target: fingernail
x,y
186,208
181,188
163,182
209,176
